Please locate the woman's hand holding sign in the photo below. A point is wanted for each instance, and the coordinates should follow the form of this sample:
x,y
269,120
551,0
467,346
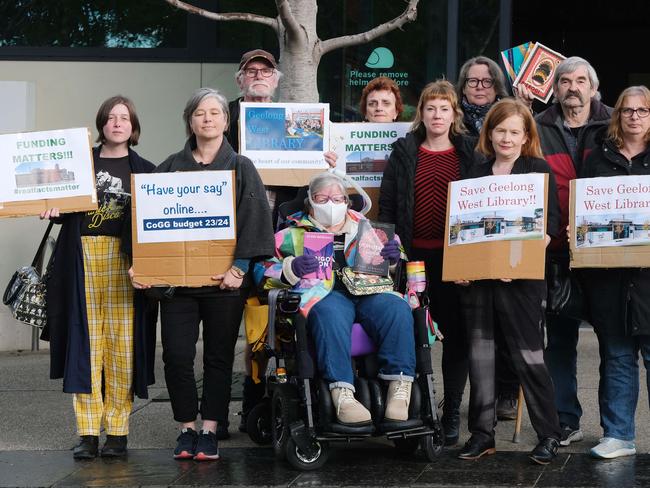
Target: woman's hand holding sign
x,y
231,279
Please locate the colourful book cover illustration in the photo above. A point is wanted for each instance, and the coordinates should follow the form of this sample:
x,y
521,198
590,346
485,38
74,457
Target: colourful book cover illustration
x,y
321,245
514,58
371,239
538,71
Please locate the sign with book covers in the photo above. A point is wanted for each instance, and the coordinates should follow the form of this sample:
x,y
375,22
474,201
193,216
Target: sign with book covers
x,y
610,222
46,169
532,65
363,148
496,227
285,141
184,226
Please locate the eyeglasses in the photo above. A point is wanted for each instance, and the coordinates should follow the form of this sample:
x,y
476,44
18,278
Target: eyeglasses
x,y
321,199
252,72
485,82
642,112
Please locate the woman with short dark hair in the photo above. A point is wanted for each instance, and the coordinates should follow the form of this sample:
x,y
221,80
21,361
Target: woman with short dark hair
x,y
99,329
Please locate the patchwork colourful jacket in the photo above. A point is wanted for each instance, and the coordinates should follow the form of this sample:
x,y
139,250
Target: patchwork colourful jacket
x,y
289,242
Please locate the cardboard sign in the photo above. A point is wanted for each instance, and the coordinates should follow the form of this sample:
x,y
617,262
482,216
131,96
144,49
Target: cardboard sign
x,y
610,222
538,71
47,169
184,227
285,141
496,228
363,148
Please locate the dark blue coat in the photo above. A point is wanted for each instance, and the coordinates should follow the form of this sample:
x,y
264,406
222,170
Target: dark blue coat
x,y
67,322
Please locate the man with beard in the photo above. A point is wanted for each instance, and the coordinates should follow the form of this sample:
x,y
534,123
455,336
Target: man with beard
x,y
257,79
567,130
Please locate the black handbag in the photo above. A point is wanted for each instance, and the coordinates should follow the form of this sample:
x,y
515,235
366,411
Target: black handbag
x,y
26,293
565,297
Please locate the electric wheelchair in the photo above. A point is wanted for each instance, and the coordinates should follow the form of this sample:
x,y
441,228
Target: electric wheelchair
x,y
297,415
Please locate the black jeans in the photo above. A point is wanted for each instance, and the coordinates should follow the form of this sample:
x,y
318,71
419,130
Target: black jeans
x,y
445,310
180,316
518,306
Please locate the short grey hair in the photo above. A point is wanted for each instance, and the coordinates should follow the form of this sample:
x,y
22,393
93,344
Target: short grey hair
x,y
323,180
195,100
569,65
495,72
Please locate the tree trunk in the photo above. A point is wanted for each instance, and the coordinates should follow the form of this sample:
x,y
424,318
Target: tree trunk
x,y
299,55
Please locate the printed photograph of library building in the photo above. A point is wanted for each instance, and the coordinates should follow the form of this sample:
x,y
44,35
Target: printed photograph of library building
x,y
482,228
616,231
30,175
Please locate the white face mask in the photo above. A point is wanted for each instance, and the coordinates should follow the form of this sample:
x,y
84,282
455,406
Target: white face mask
x,y
330,213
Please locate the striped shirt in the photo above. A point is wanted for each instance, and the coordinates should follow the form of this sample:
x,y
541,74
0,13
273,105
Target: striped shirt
x,y
434,171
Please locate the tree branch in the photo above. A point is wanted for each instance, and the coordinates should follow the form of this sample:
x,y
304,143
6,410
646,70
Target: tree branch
x,y
285,14
229,16
409,15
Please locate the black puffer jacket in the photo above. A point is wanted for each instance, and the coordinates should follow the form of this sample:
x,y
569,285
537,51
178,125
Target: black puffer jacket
x,y
397,194
618,299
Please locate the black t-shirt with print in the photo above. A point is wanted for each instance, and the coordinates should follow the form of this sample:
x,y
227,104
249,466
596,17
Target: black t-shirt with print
x,y
113,181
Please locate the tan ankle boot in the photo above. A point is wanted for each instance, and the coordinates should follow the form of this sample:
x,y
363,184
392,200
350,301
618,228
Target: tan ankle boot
x,y
397,400
348,409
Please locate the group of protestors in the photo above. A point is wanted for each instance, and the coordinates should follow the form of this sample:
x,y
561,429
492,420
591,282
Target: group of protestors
x,y
101,324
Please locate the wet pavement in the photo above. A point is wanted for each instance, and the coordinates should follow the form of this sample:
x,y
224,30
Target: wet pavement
x,y
37,434
354,466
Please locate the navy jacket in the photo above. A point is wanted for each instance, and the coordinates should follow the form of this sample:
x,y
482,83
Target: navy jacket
x,y
67,321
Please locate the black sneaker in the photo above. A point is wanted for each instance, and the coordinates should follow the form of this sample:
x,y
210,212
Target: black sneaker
x,y
186,444
506,408
569,435
207,447
87,447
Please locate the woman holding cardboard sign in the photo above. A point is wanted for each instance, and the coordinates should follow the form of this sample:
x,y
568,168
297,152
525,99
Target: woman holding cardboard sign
x,y
510,142
618,299
218,307
96,325
413,196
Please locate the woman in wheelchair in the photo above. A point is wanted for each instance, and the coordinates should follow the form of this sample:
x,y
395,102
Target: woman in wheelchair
x,y
331,309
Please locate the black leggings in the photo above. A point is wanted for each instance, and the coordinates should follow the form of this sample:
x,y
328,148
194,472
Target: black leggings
x,y
221,315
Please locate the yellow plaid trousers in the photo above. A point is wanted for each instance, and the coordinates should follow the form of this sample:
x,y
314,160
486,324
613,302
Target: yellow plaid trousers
x,y
109,305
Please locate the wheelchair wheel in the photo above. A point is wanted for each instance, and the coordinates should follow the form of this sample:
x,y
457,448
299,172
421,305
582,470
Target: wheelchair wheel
x,y
304,462
258,424
431,446
406,446
284,410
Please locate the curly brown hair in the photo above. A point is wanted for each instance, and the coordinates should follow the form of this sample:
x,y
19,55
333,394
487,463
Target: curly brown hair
x,y
381,83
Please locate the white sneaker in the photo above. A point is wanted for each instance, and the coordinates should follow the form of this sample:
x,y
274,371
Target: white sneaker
x,y
609,448
348,409
397,400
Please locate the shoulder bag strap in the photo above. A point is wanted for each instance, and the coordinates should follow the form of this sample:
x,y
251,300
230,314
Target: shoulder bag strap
x,y
37,263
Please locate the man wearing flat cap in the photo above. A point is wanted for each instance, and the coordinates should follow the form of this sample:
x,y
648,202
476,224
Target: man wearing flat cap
x,y
257,79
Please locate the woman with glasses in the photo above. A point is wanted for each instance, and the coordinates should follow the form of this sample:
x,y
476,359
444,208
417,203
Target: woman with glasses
x,y
331,309
480,84
618,299
413,196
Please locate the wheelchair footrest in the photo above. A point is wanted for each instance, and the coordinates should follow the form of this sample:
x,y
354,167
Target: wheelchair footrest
x,y
396,426
349,430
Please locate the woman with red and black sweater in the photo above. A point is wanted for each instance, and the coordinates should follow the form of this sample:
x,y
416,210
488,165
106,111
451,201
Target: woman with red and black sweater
x,y
413,196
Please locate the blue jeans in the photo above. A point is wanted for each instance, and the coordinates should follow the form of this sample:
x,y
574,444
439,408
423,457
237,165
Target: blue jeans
x,y
619,382
386,318
561,356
